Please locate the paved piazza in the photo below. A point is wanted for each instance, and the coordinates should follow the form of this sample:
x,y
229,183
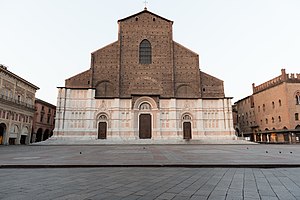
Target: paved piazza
x,y
150,172
149,183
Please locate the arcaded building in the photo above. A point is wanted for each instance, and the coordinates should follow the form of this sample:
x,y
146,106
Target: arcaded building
x,y
17,98
144,86
271,113
43,121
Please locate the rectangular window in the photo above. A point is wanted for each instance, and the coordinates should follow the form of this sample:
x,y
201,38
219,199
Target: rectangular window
x,y
296,116
42,117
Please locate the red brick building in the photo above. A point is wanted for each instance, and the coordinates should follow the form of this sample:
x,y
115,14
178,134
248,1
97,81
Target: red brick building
x,y
271,113
43,121
144,86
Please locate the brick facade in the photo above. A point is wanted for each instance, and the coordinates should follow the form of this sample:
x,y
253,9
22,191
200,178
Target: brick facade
x,y
43,121
120,87
270,115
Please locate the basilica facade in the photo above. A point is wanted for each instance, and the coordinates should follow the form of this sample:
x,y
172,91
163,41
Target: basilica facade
x,y
144,86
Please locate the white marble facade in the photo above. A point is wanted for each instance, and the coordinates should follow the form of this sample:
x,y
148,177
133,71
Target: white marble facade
x,y
79,115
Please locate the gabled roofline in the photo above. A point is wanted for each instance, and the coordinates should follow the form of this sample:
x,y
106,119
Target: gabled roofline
x,y
186,48
211,76
144,11
105,46
77,74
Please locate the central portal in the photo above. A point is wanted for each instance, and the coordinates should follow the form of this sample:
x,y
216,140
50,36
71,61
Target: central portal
x,y
145,126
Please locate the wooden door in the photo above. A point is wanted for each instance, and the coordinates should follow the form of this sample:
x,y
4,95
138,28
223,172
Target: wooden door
x,y
102,130
145,126
187,131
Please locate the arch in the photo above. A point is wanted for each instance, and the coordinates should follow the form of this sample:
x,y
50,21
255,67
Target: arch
x,y
145,106
2,132
102,116
297,97
145,99
145,52
298,126
24,135
51,134
104,89
14,129
39,134
46,135
185,91
186,117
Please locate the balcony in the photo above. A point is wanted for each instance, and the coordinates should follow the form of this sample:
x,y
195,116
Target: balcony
x,y
16,102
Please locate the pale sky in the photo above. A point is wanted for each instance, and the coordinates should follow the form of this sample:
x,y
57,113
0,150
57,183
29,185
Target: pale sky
x,y
239,41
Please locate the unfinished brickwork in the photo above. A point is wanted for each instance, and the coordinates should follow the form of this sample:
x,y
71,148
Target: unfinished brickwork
x,y
144,75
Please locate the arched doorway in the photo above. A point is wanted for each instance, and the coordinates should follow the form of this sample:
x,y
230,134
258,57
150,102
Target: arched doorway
x,y
145,126
51,134
145,122
187,127
39,134
2,132
24,135
102,127
46,135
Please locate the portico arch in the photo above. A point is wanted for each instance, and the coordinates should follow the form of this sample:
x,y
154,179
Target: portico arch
x,y
46,135
24,135
39,134
2,132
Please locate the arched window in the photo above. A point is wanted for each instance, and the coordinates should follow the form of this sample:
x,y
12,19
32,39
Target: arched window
x,y
279,102
298,98
145,56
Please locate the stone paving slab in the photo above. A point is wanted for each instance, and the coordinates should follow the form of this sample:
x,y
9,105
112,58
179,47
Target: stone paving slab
x,y
150,183
151,155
